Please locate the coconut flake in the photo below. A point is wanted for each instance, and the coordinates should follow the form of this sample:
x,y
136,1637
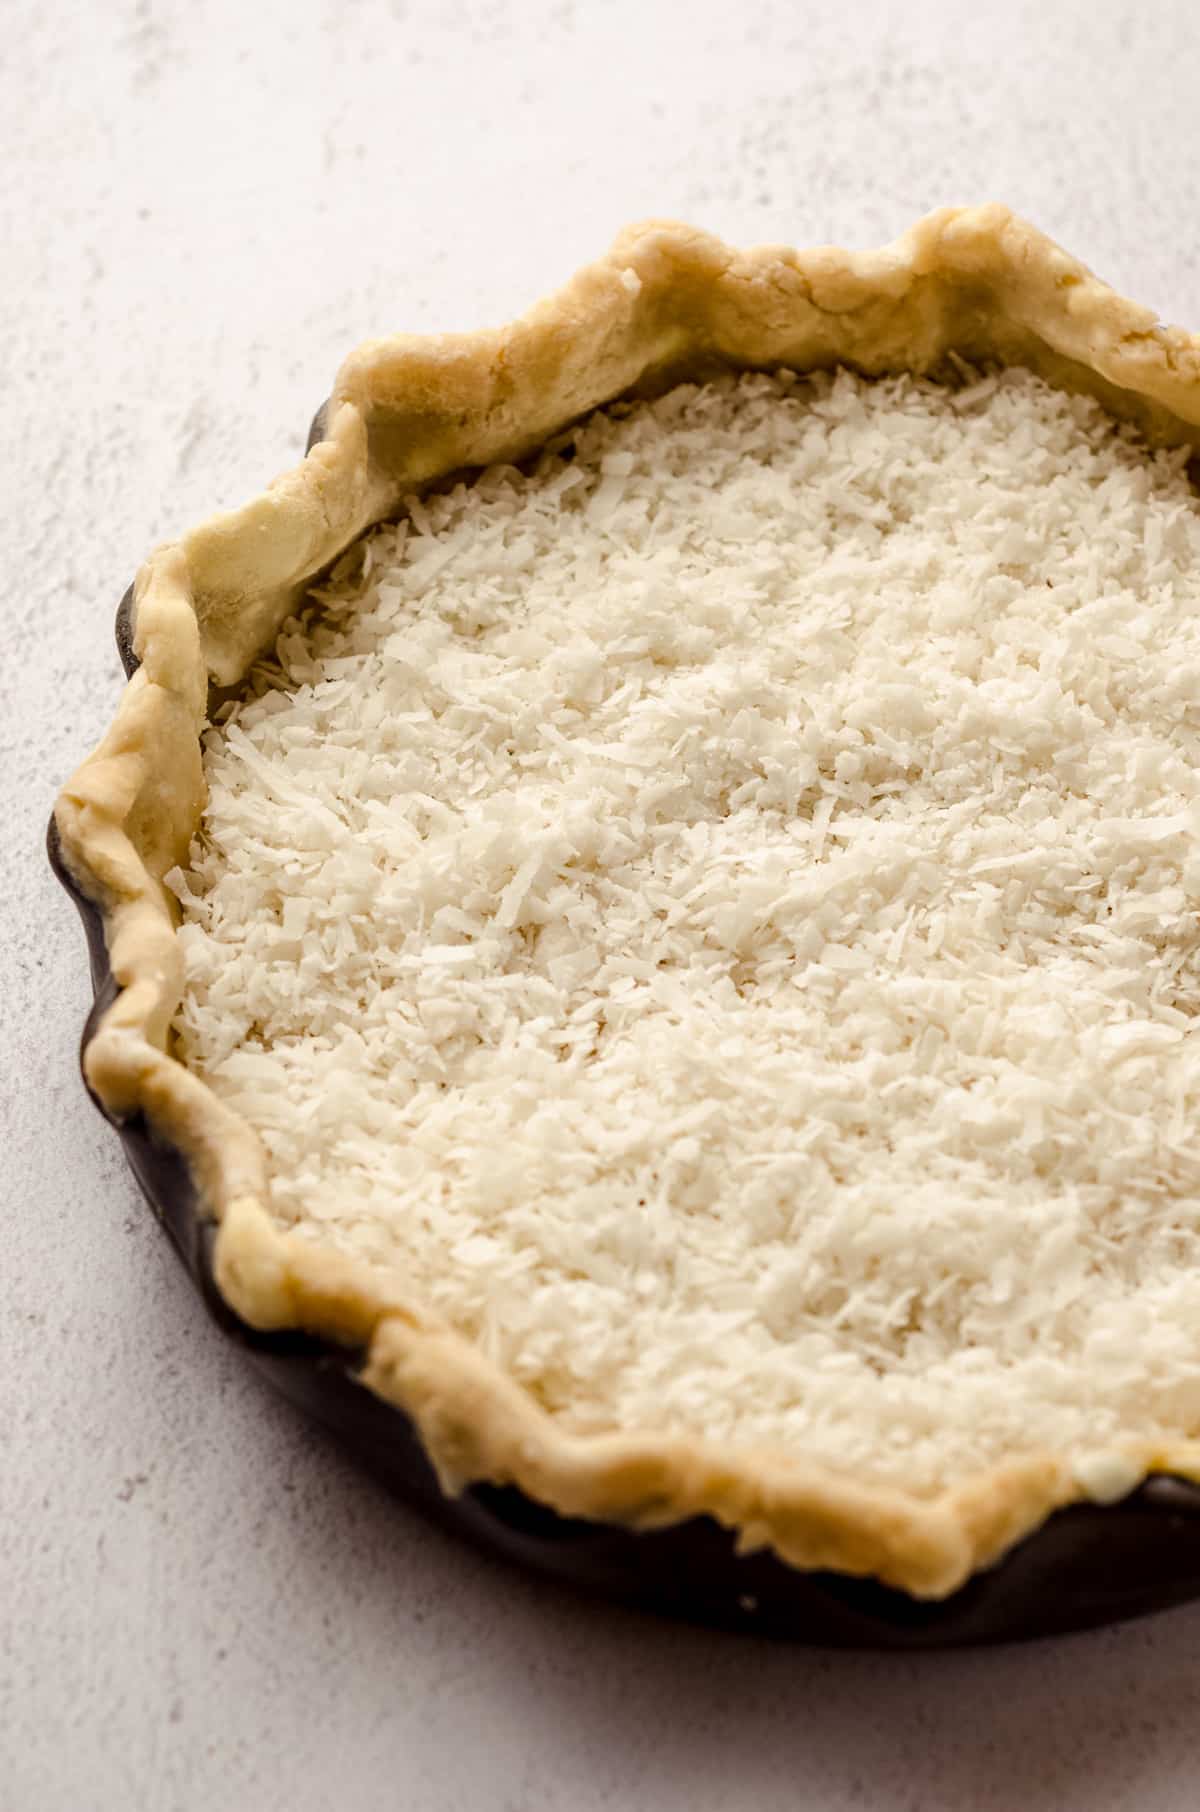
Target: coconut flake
x,y
717,913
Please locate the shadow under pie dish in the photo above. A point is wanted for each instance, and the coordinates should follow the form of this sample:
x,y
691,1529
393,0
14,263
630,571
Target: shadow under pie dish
x,y
852,809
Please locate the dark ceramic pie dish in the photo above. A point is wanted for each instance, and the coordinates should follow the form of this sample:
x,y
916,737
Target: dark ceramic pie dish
x,y
1085,1566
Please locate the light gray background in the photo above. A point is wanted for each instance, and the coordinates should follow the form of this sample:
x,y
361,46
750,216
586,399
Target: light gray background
x,y
202,206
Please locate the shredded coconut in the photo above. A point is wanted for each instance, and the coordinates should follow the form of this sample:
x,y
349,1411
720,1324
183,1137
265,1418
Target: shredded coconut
x,y
717,913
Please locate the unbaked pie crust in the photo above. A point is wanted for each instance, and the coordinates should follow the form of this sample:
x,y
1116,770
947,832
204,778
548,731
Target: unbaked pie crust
x,y
667,303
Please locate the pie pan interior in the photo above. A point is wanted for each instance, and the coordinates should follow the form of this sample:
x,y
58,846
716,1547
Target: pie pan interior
x,y
1086,1565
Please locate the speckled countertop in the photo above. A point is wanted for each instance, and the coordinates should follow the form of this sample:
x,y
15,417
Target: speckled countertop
x,y
202,206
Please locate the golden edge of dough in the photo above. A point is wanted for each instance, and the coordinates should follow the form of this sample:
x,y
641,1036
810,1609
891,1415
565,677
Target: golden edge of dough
x,y
666,303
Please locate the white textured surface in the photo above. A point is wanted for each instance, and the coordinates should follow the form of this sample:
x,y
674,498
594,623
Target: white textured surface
x,y
201,206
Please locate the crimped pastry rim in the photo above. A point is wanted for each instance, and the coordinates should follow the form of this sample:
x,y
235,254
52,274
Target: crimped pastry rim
x,y
667,302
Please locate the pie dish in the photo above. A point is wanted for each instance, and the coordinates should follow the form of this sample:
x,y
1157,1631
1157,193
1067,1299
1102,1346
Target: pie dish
x,y
667,305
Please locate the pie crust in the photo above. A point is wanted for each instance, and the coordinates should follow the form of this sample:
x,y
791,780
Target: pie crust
x,y
667,303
